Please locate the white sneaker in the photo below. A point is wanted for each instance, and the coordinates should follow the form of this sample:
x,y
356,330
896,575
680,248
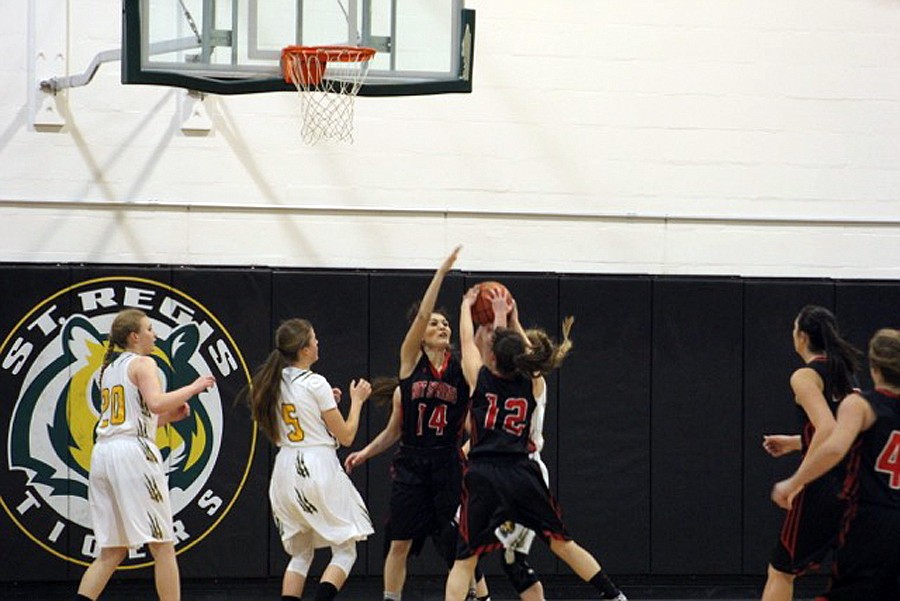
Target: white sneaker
x,y
621,597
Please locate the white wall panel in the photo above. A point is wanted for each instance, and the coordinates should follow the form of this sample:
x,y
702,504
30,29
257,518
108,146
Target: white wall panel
x,y
596,132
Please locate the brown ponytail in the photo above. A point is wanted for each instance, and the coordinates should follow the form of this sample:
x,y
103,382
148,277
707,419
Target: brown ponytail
x,y
265,386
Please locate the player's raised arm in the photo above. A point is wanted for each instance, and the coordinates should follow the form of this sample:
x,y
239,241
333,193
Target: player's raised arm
x,y
471,358
412,342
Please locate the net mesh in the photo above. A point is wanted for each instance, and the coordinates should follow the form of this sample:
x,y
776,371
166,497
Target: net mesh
x,y
327,79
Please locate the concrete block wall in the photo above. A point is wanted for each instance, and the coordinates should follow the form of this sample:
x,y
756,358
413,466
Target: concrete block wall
x,y
602,136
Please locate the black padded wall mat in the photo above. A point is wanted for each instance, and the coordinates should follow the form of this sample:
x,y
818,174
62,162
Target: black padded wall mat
x,y
604,420
37,537
234,333
695,426
862,308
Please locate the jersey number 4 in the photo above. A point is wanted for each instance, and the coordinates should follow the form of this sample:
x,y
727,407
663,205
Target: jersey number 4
x,y
889,459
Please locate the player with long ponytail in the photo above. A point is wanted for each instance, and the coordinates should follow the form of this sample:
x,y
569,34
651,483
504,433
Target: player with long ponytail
x,y
314,503
811,527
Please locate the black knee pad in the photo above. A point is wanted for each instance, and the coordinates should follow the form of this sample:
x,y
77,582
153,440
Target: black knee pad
x,y
521,575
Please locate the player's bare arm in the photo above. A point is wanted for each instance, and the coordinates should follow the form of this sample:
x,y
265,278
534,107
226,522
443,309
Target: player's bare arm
x,y
387,438
854,416
145,375
412,342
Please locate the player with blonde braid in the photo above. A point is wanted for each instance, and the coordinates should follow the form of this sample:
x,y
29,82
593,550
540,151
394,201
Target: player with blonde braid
x,y
128,491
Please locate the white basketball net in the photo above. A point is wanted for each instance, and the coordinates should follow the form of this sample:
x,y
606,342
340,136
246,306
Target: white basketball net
x,y
327,96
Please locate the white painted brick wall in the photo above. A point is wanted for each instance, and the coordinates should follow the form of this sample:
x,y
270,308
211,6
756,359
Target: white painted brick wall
x,y
610,136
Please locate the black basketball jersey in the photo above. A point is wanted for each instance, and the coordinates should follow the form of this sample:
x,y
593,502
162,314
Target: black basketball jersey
x,y
820,366
434,404
501,411
873,468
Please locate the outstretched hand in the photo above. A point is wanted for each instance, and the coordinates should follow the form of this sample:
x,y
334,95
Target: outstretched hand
x,y
354,459
470,296
501,301
360,390
778,445
447,265
204,383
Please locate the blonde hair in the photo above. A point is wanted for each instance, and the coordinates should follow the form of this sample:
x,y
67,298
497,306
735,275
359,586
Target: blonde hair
x,y
884,354
127,322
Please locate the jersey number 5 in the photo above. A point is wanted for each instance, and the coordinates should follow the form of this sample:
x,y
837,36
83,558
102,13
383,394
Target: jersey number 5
x,y
289,415
888,461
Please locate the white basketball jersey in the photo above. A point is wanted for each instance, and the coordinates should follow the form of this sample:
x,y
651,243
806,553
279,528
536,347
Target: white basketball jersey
x,y
123,411
537,421
304,397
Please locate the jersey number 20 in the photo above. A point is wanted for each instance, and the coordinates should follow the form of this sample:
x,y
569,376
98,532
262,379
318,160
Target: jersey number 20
x,y
114,400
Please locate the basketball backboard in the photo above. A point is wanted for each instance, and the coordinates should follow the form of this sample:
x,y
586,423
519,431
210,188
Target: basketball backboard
x,y
234,46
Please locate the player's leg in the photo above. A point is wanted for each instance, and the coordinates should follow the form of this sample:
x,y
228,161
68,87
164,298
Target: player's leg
x,y
586,567
302,550
100,571
535,592
395,568
779,586
165,571
105,517
342,559
522,576
459,578
410,521
481,590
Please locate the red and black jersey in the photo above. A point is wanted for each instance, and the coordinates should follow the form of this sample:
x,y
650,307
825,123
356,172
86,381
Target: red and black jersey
x,y
820,366
434,403
501,411
873,467
810,528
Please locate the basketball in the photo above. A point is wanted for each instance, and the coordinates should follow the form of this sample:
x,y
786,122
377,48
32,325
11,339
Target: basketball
x,y
482,311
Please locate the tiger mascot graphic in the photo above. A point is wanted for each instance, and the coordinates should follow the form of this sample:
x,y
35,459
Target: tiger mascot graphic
x,y
52,361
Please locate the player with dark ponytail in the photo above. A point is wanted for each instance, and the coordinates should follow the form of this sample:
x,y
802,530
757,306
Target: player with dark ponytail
x,y
429,404
868,434
811,527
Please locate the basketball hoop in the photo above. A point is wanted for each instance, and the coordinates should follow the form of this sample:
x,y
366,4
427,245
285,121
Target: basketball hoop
x,y
327,79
